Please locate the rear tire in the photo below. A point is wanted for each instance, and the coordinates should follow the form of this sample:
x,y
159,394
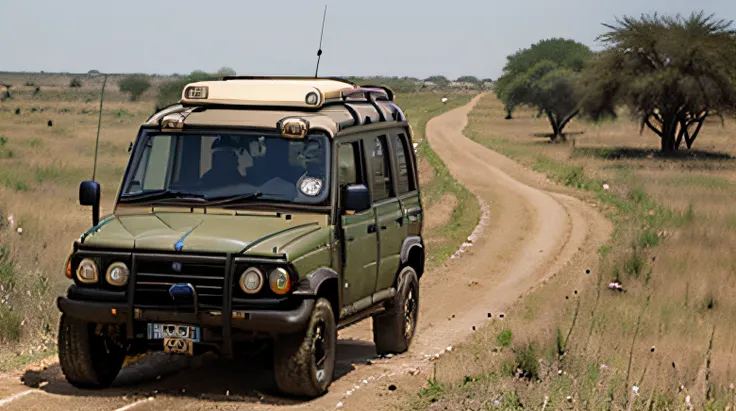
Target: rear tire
x,y
304,363
393,329
88,360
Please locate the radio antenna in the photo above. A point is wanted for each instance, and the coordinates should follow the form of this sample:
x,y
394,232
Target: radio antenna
x,y
319,51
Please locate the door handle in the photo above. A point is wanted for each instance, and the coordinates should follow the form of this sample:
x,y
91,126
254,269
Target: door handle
x,y
371,228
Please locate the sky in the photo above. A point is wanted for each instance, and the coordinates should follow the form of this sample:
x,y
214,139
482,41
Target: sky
x,y
280,37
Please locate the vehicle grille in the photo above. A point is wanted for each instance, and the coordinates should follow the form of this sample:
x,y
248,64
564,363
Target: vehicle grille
x,y
154,278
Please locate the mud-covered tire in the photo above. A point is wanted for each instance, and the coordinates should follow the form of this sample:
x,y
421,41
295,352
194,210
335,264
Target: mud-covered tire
x,y
393,329
87,360
304,363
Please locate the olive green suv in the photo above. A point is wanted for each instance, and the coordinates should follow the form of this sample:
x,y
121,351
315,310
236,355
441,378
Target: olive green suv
x,y
280,209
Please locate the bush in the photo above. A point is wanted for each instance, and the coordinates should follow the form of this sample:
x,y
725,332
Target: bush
x,y
504,338
75,83
527,362
135,86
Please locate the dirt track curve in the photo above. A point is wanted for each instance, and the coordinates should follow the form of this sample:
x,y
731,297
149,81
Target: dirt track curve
x,y
533,232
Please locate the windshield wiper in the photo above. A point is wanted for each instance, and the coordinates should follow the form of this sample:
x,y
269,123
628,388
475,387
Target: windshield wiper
x,y
163,195
233,199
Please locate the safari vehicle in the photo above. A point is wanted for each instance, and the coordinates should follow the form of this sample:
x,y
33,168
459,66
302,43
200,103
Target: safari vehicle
x,y
274,209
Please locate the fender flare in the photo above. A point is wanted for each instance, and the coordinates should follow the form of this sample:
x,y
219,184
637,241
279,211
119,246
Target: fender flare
x,y
310,284
408,245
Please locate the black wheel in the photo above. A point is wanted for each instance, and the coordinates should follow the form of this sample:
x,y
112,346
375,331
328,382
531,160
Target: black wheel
x,y
393,329
304,363
89,358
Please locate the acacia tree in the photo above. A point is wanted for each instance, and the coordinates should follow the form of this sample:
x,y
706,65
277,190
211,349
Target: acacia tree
x,y
671,72
545,76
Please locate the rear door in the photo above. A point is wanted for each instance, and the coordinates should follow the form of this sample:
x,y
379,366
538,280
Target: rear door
x,y
406,183
360,256
389,215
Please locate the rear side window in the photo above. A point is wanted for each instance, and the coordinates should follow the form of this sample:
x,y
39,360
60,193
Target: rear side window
x,y
405,177
381,169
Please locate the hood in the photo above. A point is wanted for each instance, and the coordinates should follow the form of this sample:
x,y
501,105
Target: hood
x,y
192,232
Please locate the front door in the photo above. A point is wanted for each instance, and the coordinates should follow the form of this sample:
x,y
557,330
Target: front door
x,y
389,214
359,233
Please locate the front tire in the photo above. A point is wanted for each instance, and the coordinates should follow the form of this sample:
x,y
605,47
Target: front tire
x,y
88,359
304,363
393,329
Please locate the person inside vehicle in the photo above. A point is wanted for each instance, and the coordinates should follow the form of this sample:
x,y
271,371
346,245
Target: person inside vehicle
x,y
225,162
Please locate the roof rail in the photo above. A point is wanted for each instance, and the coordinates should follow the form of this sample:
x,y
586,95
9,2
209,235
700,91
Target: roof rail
x,y
388,91
340,79
368,93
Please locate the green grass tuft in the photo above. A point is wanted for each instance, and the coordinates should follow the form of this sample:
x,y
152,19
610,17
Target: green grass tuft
x,y
504,338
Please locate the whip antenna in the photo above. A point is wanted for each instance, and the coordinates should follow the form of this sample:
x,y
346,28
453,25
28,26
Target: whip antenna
x,y
319,51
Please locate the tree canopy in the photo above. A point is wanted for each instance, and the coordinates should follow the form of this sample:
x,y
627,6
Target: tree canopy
x,y
134,86
226,71
545,76
564,53
670,72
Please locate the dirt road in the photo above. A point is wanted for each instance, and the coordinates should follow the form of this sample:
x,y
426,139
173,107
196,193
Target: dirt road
x,y
533,232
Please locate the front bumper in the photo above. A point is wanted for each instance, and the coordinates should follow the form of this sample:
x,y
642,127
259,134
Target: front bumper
x,y
217,316
262,321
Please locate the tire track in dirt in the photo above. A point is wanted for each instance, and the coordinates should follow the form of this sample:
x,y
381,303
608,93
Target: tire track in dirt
x,y
532,234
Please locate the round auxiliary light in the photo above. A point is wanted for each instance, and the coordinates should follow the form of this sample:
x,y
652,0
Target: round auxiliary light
x,y
280,281
312,98
251,281
117,274
87,271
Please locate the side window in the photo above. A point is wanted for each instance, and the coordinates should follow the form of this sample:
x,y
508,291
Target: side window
x,y
405,179
349,164
153,167
381,168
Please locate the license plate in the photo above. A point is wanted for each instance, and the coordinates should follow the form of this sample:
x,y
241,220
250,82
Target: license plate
x,y
158,331
178,346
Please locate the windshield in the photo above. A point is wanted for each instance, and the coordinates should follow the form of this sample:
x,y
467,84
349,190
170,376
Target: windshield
x,y
243,166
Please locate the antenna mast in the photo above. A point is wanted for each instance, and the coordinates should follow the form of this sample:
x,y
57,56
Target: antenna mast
x,y
319,51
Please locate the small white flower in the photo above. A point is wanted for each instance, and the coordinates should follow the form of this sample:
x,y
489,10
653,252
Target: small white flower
x,y
604,366
635,389
605,186
449,348
20,230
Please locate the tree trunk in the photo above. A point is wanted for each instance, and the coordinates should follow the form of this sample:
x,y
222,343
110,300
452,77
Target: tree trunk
x,y
668,138
554,122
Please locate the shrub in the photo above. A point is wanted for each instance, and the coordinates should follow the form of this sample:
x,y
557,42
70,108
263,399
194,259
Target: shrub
x,y
526,361
75,83
504,338
134,86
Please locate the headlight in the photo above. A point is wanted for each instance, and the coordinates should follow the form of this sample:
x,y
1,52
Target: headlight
x,y
68,268
280,281
117,274
87,271
251,281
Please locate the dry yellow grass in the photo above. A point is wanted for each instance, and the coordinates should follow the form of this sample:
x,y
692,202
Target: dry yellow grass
x,y
672,251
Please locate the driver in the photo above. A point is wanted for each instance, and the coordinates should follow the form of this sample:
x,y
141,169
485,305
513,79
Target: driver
x,y
225,162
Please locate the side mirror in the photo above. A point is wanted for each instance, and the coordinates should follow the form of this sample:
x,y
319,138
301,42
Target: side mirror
x,y
356,197
89,195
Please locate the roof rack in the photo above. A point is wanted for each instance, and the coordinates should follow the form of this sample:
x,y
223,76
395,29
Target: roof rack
x,y
369,93
341,79
387,90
